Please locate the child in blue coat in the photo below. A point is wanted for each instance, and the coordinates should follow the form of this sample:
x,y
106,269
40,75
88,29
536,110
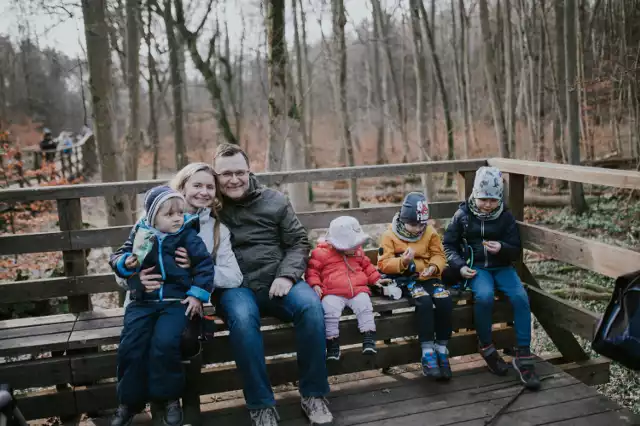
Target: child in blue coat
x,y
486,234
149,354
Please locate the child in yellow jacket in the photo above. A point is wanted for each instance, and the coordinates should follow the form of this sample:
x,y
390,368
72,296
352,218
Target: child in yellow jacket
x,y
411,254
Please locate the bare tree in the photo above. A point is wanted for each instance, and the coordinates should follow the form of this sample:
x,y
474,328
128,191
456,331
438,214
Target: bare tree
x,y
132,141
491,76
99,58
285,141
422,129
578,203
340,59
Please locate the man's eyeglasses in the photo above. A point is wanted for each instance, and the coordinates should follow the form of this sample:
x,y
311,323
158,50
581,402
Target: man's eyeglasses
x,y
237,173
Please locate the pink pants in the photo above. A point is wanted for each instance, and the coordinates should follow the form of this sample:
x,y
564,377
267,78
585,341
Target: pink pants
x,y
360,305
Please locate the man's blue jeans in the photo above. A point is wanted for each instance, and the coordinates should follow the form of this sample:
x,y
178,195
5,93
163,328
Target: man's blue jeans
x,y
506,280
241,309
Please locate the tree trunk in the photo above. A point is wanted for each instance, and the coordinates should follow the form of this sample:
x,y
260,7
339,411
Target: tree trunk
x,y
490,72
99,58
132,141
465,78
394,78
540,99
151,83
422,128
308,105
340,57
302,90
561,91
578,203
509,68
378,93
176,88
285,141
443,90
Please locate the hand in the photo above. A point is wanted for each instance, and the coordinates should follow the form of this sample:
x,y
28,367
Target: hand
x,y
428,272
131,262
467,272
493,247
151,282
408,256
280,287
194,306
318,290
382,281
182,258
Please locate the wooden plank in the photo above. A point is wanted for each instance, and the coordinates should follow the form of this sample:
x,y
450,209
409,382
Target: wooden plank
x,y
563,339
372,215
273,178
607,418
48,288
591,372
277,341
114,236
47,404
564,314
38,372
365,400
34,344
34,243
592,175
589,254
35,321
40,330
281,371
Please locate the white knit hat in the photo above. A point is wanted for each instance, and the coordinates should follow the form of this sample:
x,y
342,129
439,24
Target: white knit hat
x,y
345,233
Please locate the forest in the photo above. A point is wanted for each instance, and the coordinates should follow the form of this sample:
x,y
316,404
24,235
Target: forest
x,y
305,84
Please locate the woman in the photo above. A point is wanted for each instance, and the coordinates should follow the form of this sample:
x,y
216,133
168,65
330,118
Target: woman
x,y
197,183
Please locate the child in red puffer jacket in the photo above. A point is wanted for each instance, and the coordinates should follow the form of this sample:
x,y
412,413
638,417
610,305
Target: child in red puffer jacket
x,y
340,273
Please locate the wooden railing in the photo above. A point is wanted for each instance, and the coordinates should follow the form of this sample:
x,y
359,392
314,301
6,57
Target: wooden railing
x,y
560,319
68,162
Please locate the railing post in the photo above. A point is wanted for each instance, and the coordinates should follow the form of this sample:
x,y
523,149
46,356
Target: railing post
x,y
563,339
75,263
464,182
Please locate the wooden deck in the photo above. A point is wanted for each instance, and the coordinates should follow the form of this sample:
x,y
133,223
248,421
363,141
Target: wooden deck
x,y
473,397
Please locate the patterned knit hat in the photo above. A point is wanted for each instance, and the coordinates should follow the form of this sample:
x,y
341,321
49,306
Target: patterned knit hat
x,y
488,183
154,199
415,209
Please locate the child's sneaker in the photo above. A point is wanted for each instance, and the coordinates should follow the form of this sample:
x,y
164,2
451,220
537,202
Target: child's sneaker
x,y
524,364
445,366
430,367
173,414
494,361
333,349
123,416
369,343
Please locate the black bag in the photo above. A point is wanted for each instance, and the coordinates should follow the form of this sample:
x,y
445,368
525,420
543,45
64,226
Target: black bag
x,y
198,329
618,333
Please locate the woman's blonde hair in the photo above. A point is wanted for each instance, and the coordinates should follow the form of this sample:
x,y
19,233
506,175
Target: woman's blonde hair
x,y
180,180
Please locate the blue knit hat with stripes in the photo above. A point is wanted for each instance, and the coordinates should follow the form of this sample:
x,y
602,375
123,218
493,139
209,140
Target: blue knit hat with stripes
x,y
154,199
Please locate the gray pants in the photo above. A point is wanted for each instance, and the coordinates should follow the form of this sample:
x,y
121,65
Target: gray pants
x,y
360,305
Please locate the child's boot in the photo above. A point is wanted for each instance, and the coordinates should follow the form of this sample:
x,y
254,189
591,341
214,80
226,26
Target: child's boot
x,y
333,349
369,343
443,362
123,416
430,367
524,364
173,414
494,361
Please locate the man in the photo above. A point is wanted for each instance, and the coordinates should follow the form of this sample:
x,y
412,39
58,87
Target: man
x,y
47,144
272,249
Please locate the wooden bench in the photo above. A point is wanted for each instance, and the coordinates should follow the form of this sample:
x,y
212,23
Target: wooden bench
x,y
88,338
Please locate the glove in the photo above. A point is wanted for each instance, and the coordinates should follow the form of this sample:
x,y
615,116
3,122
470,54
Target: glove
x,y
392,291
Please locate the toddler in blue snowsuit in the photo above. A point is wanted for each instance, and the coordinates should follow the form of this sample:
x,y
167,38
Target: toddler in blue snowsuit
x,y
149,355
